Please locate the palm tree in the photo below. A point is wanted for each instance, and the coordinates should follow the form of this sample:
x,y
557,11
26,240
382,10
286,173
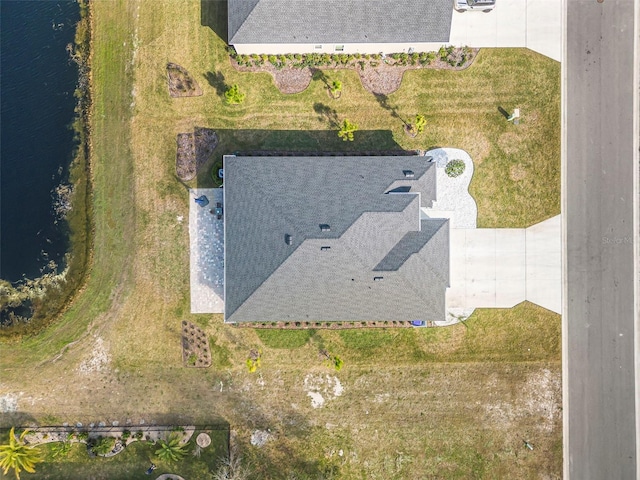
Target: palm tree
x,y
171,450
335,88
18,455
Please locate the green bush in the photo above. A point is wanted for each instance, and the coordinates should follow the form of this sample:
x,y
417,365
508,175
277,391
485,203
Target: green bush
x,y
125,435
104,445
454,168
60,449
233,95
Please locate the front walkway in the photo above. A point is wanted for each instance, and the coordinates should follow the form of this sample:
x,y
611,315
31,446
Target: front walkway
x,y
501,267
206,242
535,24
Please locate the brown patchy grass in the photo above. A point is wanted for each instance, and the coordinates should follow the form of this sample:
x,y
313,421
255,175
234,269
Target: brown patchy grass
x,y
417,403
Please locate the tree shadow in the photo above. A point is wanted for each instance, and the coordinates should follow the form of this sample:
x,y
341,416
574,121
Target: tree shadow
x,y
317,74
504,113
383,100
217,81
326,113
213,14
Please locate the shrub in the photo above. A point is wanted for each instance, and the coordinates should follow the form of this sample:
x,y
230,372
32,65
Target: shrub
x,y
103,445
442,53
347,130
418,124
336,87
337,363
233,95
82,436
125,435
139,435
454,168
60,449
273,60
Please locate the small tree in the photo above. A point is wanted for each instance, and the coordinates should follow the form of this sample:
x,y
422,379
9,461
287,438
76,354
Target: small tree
x,y
335,88
419,123
233,95
18,455
171,450
346,130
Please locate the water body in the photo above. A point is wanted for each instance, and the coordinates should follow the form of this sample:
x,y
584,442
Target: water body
x,y
36,144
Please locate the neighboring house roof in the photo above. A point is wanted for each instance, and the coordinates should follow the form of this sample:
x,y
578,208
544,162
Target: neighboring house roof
x,y
338,21
281,214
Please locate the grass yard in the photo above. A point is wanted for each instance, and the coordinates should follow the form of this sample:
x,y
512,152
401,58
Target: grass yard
x,y
409,403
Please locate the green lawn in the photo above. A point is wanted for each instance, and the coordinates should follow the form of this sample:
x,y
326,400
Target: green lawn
x,y
417,403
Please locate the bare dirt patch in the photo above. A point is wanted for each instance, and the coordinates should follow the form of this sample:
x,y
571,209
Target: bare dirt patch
x,y
517,172
180,83
98,359
322,388
193,151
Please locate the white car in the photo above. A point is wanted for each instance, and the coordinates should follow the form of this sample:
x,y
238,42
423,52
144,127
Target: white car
x,y
482,5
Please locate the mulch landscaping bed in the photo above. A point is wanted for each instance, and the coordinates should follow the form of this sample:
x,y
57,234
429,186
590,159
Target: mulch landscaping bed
x,y
329,325
195,346
194,149
181,84
380,76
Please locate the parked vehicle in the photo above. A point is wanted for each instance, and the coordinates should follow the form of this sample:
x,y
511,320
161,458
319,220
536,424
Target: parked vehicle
x,y
477,5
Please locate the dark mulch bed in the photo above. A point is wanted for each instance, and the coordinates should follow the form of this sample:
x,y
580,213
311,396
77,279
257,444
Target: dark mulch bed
x,y
194,150
181,84
195,346
378,76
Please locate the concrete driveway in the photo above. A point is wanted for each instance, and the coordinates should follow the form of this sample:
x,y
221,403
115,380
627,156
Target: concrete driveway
x,y
534,24
501,267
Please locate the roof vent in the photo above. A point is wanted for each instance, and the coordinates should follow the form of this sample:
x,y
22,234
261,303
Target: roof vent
x,y
325,248
408,173
288,239
324,227
377,279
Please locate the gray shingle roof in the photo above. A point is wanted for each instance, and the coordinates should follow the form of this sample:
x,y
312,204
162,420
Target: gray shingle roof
x,y
339,21
270,198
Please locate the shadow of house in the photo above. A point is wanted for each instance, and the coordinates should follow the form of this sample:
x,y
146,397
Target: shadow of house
x,y
213,14
298,143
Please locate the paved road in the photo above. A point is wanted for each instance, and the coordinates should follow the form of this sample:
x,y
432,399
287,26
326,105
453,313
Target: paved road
x,y
598,197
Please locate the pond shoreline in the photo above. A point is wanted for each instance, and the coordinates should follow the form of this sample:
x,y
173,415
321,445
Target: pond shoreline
x,y
50,295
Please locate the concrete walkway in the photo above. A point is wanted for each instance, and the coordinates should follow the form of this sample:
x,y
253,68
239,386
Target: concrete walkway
x,y
501,267
534,24
206,242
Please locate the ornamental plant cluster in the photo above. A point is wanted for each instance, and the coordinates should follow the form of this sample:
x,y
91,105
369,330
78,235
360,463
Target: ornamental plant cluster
x,y
454,168
453,56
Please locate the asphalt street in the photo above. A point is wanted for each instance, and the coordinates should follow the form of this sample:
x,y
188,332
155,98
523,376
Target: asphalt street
x,y
600,409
